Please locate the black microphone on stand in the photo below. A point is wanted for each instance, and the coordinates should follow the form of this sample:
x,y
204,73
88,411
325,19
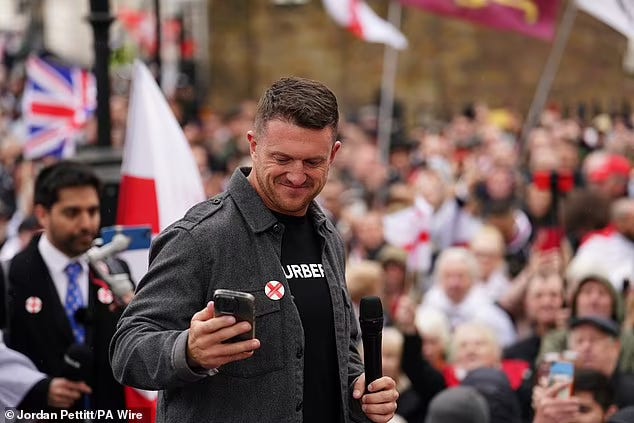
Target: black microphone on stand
x,y
371,322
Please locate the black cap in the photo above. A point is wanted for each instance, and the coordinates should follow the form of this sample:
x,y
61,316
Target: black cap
x,y
607,326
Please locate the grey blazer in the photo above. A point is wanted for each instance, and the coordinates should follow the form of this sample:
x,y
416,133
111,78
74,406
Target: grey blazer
x,y
234,242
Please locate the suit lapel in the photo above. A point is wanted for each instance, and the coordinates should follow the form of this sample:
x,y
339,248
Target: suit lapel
x,y
43,287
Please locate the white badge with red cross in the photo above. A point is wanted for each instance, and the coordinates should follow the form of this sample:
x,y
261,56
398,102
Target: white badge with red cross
x,y
33,305
104,295
274,290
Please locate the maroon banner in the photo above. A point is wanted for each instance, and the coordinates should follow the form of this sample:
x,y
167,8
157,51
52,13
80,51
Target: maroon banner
x,y
535,18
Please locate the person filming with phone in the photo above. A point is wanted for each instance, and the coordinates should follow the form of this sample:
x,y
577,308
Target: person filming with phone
x,y
592,402
264,236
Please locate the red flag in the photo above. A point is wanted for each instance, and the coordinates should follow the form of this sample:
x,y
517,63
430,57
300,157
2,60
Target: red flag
x,y
143,402
535,18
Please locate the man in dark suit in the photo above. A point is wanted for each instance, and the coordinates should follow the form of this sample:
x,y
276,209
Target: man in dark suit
x,y
55,301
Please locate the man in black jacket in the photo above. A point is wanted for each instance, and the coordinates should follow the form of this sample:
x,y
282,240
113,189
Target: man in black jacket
x,y
55,301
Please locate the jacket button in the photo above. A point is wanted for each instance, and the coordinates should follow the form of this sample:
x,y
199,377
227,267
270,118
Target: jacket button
x,y
215,201
300,352
277,227
299,406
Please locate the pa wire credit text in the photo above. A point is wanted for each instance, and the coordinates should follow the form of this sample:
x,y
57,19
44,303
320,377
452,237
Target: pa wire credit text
x,y
12,414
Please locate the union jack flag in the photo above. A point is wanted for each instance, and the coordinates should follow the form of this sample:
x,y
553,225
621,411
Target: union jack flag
x,y
57,103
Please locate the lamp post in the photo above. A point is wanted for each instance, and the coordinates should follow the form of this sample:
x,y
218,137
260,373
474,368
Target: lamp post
x,y
100,19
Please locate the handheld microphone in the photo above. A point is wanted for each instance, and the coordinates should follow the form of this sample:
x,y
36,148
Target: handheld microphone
x,y
120,284
78,361
119,243
371,322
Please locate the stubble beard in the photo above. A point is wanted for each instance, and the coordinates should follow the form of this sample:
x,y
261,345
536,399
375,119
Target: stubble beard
x,y
277,202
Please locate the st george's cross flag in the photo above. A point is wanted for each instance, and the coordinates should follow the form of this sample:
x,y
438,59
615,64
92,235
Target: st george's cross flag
x,y
360,19
159,179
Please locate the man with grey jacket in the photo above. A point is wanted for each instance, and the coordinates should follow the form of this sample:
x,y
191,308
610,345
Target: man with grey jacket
x,y
266,236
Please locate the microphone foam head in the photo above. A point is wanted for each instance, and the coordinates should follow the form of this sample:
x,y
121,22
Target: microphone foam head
x,y
370,308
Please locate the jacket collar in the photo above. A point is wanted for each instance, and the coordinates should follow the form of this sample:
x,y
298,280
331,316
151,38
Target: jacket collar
x,y
255,213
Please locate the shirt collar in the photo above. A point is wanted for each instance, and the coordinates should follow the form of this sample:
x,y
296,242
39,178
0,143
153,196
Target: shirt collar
x,y
54,258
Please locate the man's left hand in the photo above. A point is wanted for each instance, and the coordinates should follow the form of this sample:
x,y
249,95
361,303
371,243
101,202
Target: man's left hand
x,y
379,403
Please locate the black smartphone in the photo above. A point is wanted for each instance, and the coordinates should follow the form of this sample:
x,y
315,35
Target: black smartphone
x,y
241,305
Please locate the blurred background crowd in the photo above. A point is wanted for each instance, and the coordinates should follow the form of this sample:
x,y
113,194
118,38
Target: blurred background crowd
x,y
481,248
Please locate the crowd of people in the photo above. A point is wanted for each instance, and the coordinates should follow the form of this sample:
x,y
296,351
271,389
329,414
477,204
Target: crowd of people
x,y
494,256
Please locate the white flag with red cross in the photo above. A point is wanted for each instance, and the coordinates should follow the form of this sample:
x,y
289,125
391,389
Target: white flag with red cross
x,y
357,17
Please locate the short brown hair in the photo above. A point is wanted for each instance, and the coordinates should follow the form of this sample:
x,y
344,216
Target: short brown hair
x,y
299,101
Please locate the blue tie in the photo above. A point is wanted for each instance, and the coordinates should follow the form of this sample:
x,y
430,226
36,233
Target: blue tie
x,y
74,300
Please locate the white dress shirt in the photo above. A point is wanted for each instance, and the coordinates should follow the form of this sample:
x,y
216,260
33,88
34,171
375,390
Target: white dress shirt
x,y
56,261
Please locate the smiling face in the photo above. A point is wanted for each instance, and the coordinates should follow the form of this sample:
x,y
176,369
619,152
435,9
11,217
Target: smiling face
x,y
72,222
290,164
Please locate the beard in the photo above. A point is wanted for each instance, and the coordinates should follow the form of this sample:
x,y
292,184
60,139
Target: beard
x,y
274,196
75,245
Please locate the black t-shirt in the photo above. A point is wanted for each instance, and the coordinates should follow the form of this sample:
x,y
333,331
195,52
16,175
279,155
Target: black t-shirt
x,y
301,260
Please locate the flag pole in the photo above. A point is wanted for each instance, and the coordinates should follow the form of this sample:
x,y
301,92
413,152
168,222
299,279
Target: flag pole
x,y
388,82
158,37
550,70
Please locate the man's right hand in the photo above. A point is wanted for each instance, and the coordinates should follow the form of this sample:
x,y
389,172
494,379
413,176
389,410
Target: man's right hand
x,y
62,393
206,334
